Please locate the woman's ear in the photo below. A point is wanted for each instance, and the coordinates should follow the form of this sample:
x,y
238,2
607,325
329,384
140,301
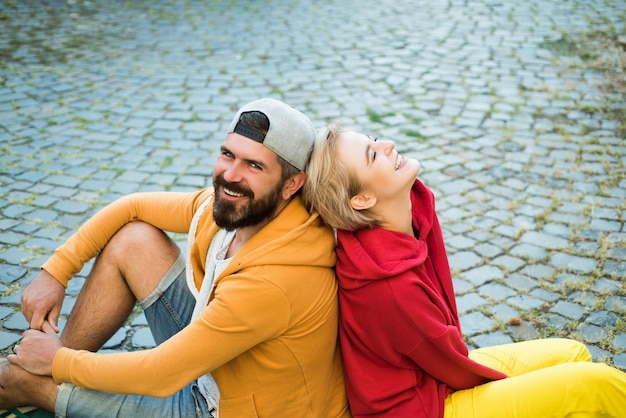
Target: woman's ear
x,y
293,184
362,201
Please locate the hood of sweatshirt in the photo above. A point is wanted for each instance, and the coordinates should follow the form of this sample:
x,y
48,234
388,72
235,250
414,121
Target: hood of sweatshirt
x,y
377,253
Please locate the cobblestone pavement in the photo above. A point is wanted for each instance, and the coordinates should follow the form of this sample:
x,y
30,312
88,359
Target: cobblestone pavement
x,y
520,137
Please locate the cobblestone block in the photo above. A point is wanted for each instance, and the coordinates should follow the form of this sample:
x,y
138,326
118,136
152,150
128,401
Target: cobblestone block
x,y
14,256
525,302
483,274
604,319
587,299
568,310
143,338
16,322
538,271
475,322
521,282
524,331
461,242
11,238
529,251
620,360
117,339
8,340
614,268
580,264
68,304
487,250
509,263
546,295
469,302
5,311
616,303
606,286
503,312
544,240
620,341
598,354
496,291
71,207
16,211
464,260
491,339
590,333
556,322
461,286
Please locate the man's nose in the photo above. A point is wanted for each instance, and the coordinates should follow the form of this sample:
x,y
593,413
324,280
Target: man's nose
x,y
233,173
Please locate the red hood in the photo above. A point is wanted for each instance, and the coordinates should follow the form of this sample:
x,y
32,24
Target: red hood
x,y
381,253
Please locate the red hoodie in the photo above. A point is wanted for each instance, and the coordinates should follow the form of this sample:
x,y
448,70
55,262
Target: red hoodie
x,y
402,345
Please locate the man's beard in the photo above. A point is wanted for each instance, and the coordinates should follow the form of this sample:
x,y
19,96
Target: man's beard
x,y
255,211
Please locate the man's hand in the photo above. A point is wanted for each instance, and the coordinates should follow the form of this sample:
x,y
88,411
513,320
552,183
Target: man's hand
x,y
42,300
36,351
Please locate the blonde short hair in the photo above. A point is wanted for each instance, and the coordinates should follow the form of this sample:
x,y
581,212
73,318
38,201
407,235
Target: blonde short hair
x,y
330,185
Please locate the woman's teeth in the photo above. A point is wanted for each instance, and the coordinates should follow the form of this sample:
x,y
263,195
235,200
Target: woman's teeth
x,y
399,161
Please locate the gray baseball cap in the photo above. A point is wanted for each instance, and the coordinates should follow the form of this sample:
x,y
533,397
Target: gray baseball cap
x,y
291,134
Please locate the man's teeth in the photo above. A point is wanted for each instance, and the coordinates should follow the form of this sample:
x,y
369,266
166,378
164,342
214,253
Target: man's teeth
x,y
234,194
399,161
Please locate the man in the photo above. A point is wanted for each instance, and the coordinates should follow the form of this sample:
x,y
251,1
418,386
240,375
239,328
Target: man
x,y
245,325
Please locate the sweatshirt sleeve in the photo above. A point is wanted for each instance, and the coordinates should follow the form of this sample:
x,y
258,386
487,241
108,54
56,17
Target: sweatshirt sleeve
x,y
440,349
245,312
170,211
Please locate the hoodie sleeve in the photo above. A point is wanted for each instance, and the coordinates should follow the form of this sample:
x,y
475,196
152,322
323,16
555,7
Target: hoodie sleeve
x,y
223,331
439,349
170,211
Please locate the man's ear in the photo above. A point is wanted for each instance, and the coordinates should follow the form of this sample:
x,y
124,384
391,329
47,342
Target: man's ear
x,y
362,201
293,184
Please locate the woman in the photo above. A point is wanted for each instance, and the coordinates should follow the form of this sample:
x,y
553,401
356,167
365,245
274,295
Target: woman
x,y
403,351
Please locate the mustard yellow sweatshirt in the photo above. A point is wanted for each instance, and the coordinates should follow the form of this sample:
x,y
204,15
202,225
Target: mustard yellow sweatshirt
x,y
268,334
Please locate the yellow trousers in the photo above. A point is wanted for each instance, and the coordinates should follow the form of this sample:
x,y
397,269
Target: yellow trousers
x,y
549,378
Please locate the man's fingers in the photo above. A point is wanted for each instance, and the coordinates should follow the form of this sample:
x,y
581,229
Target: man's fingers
x,y
13,359
53,319
48,328
37,321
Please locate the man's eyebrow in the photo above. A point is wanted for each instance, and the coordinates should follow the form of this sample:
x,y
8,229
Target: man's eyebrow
x,y
261,164
256,162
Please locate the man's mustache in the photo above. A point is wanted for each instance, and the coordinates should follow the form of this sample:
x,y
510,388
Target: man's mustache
x,y
234,187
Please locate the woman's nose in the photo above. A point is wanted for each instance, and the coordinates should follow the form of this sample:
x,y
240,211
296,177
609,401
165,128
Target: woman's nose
x,y
385,146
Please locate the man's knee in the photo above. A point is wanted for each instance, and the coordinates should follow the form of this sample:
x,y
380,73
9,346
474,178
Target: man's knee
x,y
136,237
142,254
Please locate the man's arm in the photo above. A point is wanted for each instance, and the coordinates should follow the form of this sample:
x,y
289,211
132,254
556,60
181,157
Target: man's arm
x,y
169,211
245,312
